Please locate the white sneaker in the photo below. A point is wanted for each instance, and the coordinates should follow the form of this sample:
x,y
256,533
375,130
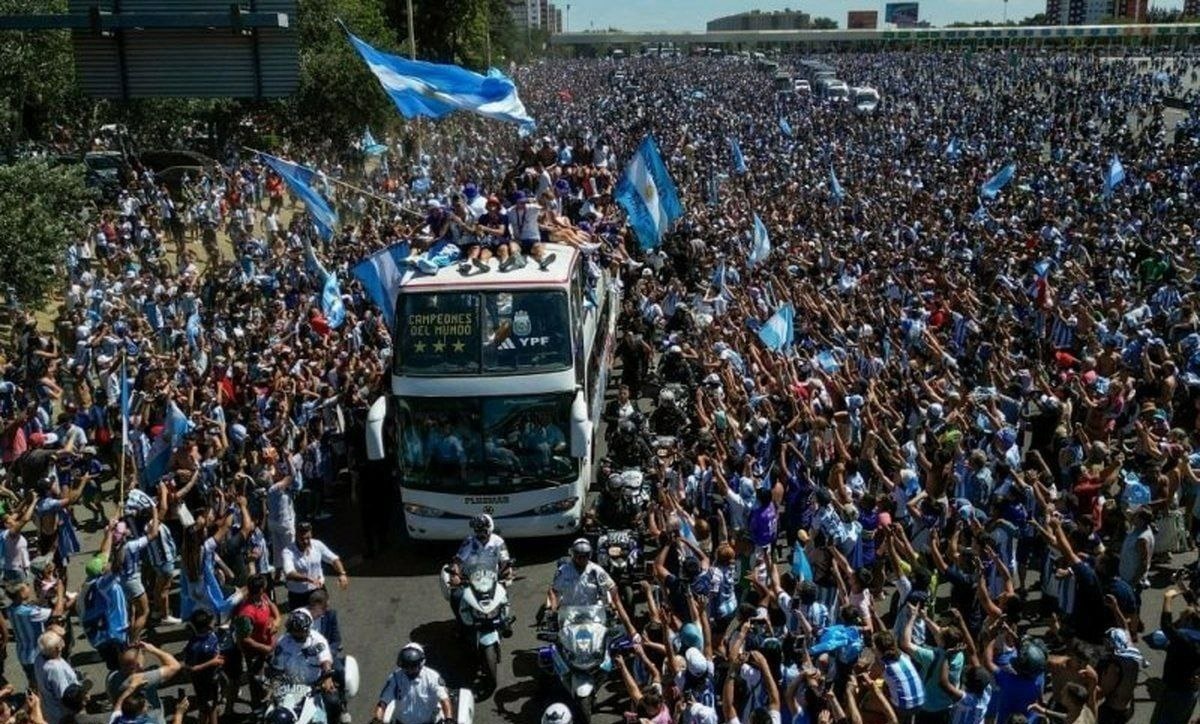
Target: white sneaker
x,y
170,621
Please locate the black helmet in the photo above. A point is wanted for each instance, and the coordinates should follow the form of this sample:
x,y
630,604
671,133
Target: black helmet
x,y
280,715
299,622
482,524
411,656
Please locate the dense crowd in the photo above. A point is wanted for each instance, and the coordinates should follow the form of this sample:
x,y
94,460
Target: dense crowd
x,y
943,503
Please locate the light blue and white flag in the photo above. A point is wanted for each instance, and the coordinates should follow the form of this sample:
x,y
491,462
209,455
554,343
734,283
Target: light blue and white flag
x,y
785,127
760,249
380,276
434,90
991,188
953,150
158,459
739,161
299,180
777,334
1114,177
126,403
369,146
194,329
331,301
836,192
648,195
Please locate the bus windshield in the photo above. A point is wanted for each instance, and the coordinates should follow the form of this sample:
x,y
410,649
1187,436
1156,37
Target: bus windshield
x,y
488,444
473,333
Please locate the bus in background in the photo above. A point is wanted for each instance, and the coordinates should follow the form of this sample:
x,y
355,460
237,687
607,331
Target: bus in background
x,y
498,380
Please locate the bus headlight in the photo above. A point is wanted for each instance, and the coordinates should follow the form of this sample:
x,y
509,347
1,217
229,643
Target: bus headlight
x,y
422,511
558,506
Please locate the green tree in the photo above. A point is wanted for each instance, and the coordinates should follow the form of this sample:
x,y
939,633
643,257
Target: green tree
x,y
824,24
40,213
37,75
459,31
338,95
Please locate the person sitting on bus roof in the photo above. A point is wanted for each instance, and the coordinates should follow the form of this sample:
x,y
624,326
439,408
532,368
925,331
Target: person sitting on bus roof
x,y
526,235
491,228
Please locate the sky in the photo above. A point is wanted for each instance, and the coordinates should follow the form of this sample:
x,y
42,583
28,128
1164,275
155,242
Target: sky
x,y
691,15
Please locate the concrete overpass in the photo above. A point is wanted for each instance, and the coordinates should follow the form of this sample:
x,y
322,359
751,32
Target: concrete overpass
x,y
1066,36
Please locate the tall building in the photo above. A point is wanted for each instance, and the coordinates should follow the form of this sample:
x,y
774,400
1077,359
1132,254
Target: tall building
x,y
536,14
1091,12
758,20
1133,11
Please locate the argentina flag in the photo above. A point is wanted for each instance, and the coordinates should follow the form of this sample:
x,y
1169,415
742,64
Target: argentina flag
x,y
380,275
331,301
299,180
760,249
1114,176
778,332
648,195
991,188
434,90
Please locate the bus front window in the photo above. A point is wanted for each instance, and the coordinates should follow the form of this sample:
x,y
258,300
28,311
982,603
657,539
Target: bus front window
x,y
493,444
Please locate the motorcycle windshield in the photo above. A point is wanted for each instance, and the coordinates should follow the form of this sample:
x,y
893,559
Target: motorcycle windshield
x,y
580,615
482,577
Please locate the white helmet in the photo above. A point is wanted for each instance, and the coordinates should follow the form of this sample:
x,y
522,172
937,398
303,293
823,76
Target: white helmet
x,y
482,524
557,714
666,396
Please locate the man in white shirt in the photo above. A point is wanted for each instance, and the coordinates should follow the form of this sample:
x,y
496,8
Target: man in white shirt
x,y
526,234
303,566
416,692
304,655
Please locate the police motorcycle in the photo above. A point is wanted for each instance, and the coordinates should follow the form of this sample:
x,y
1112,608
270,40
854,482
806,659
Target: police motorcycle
x,y
483,611
580,652
615,524
290,701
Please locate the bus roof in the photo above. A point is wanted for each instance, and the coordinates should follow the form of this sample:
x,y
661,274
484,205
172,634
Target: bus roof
x,y
558,273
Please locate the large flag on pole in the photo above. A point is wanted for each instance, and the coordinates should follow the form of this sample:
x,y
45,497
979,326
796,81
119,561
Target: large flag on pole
x,y
1114,176
434,90
299,180
785,127
126,404
380,275
648,195
991,188
760,249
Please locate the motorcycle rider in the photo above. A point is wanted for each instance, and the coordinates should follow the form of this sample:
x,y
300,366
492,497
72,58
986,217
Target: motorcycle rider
x,y
581,582
676,369
621,409
304,655
628,448
482,547
667,419
418,691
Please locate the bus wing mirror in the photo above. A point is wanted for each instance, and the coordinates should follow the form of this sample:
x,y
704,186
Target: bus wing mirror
x,y
581,427
375,418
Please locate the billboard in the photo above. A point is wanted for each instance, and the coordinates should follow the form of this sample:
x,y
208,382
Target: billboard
x,y
862,19
902,15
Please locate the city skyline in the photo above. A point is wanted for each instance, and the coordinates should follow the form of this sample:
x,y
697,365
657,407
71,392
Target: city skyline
x,y
692,15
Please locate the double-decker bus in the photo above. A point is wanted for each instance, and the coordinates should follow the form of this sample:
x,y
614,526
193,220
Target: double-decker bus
x,y
497,384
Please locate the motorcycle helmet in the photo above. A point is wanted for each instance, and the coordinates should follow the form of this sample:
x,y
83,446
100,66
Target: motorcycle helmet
x,y
666,397
482,525
299,623
627,426
557,714
581,547
280,715
615,482
412,656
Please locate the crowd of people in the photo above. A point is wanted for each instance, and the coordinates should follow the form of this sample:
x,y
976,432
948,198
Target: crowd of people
x,y
943,502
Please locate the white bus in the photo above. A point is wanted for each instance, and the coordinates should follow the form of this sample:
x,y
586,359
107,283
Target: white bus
x,y
498,381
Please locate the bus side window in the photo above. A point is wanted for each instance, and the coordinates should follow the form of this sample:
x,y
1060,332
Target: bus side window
x,y
577,324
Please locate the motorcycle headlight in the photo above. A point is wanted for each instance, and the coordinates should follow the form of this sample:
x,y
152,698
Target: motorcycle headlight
x,y
558,506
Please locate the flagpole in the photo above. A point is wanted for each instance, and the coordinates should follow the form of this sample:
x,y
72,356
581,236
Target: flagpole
x,y
352,187
122,400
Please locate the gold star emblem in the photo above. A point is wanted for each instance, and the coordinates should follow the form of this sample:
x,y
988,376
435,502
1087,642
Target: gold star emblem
x,y
459,346
439,346
648,190
419,348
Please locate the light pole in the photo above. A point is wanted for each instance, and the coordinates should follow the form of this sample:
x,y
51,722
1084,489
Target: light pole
x,y
412,35
567,20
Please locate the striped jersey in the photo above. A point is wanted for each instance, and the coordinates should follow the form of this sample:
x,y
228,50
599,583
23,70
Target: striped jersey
x,y
904,683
